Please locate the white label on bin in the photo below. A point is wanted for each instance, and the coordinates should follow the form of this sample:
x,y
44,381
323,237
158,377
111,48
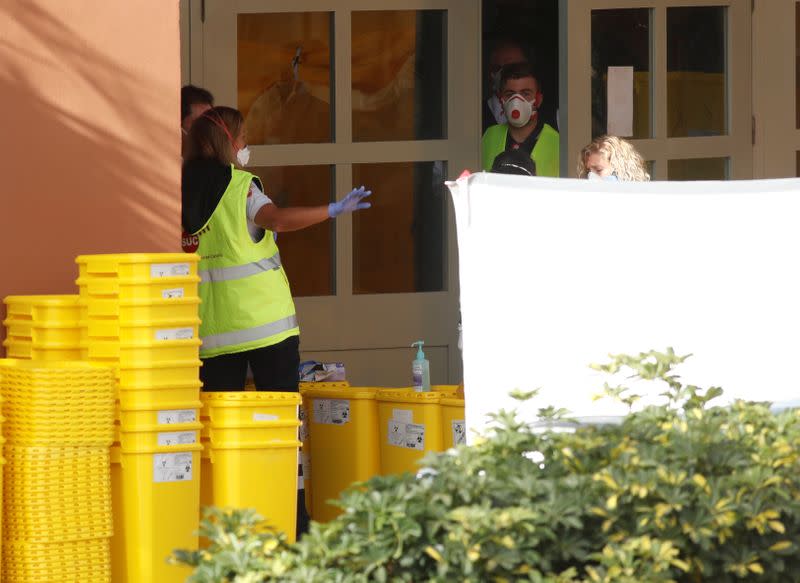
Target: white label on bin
x,y
172,294
415,436
264,417
397,433
459,432
403,415
170,417
175,334
172,467
407,435
177,437
169,269
332,411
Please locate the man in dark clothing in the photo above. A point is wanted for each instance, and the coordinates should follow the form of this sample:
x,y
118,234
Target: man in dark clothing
x,y
194,102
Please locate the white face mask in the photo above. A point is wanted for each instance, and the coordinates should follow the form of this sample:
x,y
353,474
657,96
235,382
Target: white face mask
x,y
243,156
518,110
596,176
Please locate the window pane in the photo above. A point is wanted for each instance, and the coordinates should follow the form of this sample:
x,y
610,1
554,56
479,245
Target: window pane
x,y
307,255
621,38
698,169
399,75
285,99
696,70
399,244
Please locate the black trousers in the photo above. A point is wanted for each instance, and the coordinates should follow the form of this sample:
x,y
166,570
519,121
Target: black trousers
x,y
274,368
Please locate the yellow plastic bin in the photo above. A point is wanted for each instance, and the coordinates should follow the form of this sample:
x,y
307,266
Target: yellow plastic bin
x,y
232,418
158,398
263,477
57,403
453,426
231,408
156,375
45,562
109,329
161,413
68,333
51,309
147,437
51,351
156,498
253,433
410,425
148,266
139,288
144,353
129,311
343,425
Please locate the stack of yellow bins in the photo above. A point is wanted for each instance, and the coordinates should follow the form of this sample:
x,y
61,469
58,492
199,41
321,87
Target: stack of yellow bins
x,y
43,327
56,483
141,317
250,454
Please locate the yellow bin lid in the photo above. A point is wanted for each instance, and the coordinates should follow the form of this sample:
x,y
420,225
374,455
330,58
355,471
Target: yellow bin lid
x,y
341,393
410,396
248,398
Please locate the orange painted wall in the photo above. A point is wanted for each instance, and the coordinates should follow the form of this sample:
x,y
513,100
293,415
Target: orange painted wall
x,y
89,118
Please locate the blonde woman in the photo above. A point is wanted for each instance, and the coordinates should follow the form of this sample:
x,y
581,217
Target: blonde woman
x,y
613,159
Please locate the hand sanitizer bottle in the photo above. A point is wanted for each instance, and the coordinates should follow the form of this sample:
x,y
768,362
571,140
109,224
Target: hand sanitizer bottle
x,y
421,370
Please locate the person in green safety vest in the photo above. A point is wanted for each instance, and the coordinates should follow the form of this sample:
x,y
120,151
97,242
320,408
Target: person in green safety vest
x,y
247,312
521,96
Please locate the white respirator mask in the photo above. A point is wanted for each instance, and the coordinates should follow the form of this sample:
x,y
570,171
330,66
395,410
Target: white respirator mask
x,y
518,110
243,156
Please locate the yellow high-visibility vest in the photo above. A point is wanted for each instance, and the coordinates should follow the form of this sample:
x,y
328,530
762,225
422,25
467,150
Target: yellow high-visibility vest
x,y
545,153
245,298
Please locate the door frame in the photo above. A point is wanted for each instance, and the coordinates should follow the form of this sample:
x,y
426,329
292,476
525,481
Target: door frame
x,y
774,89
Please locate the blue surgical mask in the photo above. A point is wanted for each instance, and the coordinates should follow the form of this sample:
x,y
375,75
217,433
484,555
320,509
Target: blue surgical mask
x,y
596,176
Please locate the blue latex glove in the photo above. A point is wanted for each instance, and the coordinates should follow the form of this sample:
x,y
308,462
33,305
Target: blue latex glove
x,y
351,202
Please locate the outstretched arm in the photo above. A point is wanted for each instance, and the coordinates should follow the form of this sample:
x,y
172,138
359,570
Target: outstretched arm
x,y
295,218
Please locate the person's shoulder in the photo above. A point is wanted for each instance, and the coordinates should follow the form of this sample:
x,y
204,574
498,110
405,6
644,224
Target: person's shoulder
x,y
496,129
549,130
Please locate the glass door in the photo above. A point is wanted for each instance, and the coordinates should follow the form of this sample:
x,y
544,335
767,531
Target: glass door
x,y
674,76
340,93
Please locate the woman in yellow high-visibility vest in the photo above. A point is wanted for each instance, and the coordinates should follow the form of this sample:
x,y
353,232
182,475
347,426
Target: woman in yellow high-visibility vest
x,y
247,312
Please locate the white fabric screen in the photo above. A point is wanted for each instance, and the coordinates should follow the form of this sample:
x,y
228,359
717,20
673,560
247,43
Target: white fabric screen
x,y
556,274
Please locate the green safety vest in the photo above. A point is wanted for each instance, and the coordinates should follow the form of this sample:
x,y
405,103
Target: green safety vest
x,y
545,153
245,298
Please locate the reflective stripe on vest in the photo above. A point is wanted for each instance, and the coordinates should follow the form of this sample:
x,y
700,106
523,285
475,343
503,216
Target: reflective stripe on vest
x,y
240,271
249,335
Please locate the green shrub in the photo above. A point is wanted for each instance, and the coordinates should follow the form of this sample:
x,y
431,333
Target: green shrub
x,y
680,492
